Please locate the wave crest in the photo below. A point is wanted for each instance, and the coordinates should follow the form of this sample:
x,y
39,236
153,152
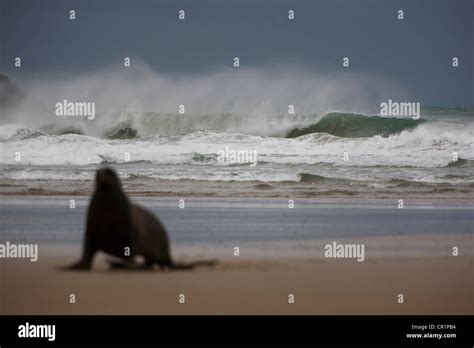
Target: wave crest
x,y
342,125
346,125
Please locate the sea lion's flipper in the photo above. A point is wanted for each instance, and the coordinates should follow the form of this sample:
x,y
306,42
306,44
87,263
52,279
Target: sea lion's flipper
x,y
85,263
82,265
127,265
113,264
78,266
192,265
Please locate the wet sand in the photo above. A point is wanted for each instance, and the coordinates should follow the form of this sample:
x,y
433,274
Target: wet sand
x,y
248,189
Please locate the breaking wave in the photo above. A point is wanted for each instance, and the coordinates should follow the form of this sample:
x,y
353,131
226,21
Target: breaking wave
x,y
348,125
345,125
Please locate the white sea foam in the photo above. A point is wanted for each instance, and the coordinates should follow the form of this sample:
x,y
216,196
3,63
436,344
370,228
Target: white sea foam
x,y
428,145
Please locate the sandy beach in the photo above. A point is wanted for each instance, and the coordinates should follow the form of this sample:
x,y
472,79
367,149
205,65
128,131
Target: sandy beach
x,y
277,257
244,286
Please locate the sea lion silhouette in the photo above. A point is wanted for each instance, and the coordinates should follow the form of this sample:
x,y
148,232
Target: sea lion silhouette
x,y
114,224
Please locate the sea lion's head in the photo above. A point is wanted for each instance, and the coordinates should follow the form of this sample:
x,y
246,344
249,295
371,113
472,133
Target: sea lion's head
x,y
107,178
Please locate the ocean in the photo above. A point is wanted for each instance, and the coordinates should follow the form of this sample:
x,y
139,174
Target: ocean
x,y
331,149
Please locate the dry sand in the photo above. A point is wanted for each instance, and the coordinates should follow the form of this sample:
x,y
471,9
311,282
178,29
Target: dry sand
x,y
431,285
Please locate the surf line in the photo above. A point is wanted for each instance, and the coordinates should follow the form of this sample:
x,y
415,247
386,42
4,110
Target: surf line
x,y
26,251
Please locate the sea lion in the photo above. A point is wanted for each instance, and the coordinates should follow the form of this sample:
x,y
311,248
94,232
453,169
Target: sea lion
x,y
115,225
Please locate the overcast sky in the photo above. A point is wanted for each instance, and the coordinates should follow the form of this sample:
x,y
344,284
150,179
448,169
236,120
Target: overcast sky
x,y
416,51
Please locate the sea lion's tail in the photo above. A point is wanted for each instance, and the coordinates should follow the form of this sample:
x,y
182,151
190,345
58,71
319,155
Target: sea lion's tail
x,y
191,265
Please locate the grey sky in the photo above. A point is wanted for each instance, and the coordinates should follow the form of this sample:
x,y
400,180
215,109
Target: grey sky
x,y
416,52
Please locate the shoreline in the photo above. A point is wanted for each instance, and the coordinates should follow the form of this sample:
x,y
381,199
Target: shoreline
x,y
245,189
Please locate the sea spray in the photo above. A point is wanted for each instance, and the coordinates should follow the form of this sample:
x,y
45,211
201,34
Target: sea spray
x,y
254,101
